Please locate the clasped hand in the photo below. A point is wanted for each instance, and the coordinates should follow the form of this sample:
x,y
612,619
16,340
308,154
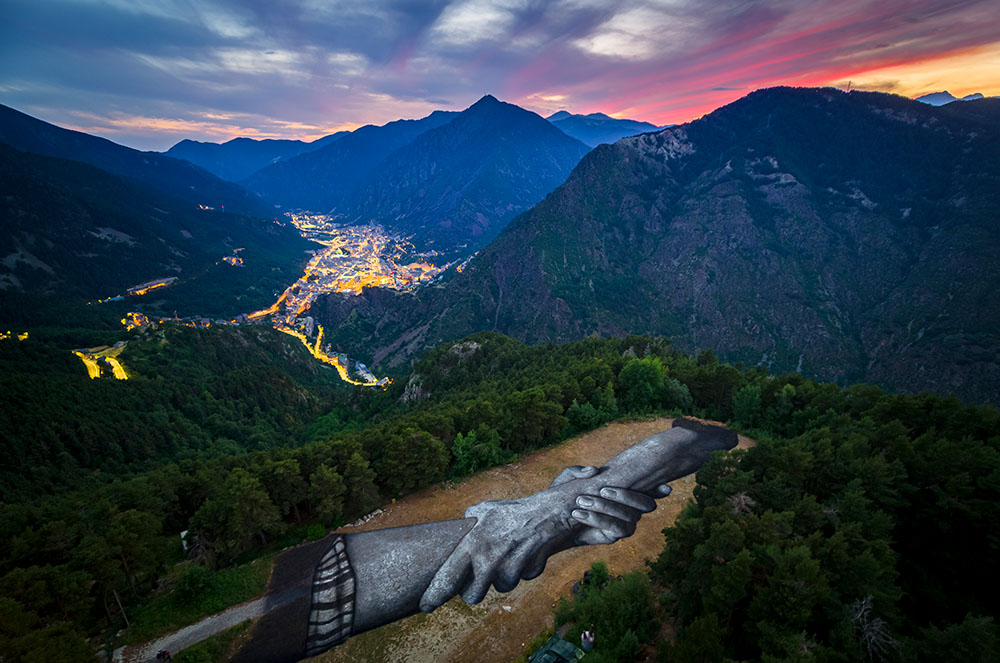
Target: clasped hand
x,y
512,539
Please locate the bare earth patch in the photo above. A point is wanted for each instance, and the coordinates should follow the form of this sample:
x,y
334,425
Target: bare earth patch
x,y
498,628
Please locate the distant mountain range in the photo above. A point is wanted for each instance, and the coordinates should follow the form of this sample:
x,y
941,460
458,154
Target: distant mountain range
x,y
461,183
597,128
172,176
846,236
239,158
324,179
942,98
452,180
449,178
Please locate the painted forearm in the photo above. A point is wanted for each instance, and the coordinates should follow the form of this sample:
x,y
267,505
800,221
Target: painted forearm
x,y
346,584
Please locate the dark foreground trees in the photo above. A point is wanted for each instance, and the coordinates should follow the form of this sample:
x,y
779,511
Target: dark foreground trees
x,y
861,523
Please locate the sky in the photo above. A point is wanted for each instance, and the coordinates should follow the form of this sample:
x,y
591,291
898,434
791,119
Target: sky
x,y
148,73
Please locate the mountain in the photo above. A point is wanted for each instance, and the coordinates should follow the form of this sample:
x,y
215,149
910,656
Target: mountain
x,y
848,236
169,175
323,179
462,182
73,232
598,128
240,158
945,97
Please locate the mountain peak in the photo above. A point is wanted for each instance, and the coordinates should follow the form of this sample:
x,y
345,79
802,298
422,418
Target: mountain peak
x,y
945,97
489,108
487,100
937,98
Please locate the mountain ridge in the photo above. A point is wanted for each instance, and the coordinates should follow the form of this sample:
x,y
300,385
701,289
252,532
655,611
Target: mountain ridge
x,y
597,128
752,232
239,158
75,232
945,97
324,179
461,182
172,176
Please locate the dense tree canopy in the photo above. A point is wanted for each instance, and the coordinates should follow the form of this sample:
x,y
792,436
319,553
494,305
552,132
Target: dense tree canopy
x,y
815,540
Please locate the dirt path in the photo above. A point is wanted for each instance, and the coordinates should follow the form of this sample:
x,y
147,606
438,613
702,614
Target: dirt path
x,y
193,634
498,628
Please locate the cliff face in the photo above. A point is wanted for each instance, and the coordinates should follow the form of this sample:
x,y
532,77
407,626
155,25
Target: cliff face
x,y
847,236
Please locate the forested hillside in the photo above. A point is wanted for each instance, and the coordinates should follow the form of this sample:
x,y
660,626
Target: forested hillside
x,y
74,233
849,237
859,528
191,393
851,492
165,174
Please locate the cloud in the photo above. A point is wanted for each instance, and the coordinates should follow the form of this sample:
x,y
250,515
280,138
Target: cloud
x,y
642,33
145,71
475,21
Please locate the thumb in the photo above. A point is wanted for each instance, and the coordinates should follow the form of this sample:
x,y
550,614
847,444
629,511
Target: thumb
x,y
574,472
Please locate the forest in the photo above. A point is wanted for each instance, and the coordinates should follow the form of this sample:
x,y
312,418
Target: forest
x,y
858,528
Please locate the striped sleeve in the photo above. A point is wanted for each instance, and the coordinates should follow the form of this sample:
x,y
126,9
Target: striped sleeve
x,y
332,609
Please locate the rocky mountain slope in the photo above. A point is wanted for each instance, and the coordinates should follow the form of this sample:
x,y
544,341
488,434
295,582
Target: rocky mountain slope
x,y
239,158
168,175
597,128
462,182
849,236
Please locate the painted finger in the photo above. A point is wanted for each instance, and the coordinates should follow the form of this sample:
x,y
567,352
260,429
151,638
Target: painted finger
x,y
614,528
453,575
482,577
535,568
636,500
609,508
591,537
664,490
510,570
574,472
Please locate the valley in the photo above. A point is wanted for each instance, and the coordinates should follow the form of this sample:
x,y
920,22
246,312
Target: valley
x,y
352,258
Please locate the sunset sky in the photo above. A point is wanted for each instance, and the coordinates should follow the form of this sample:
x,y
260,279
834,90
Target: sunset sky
x,y
148,73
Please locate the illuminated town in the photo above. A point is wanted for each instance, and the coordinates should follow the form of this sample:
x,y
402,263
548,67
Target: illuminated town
x,y
143,288
351,258
23,336
139,290
102,361
235,260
